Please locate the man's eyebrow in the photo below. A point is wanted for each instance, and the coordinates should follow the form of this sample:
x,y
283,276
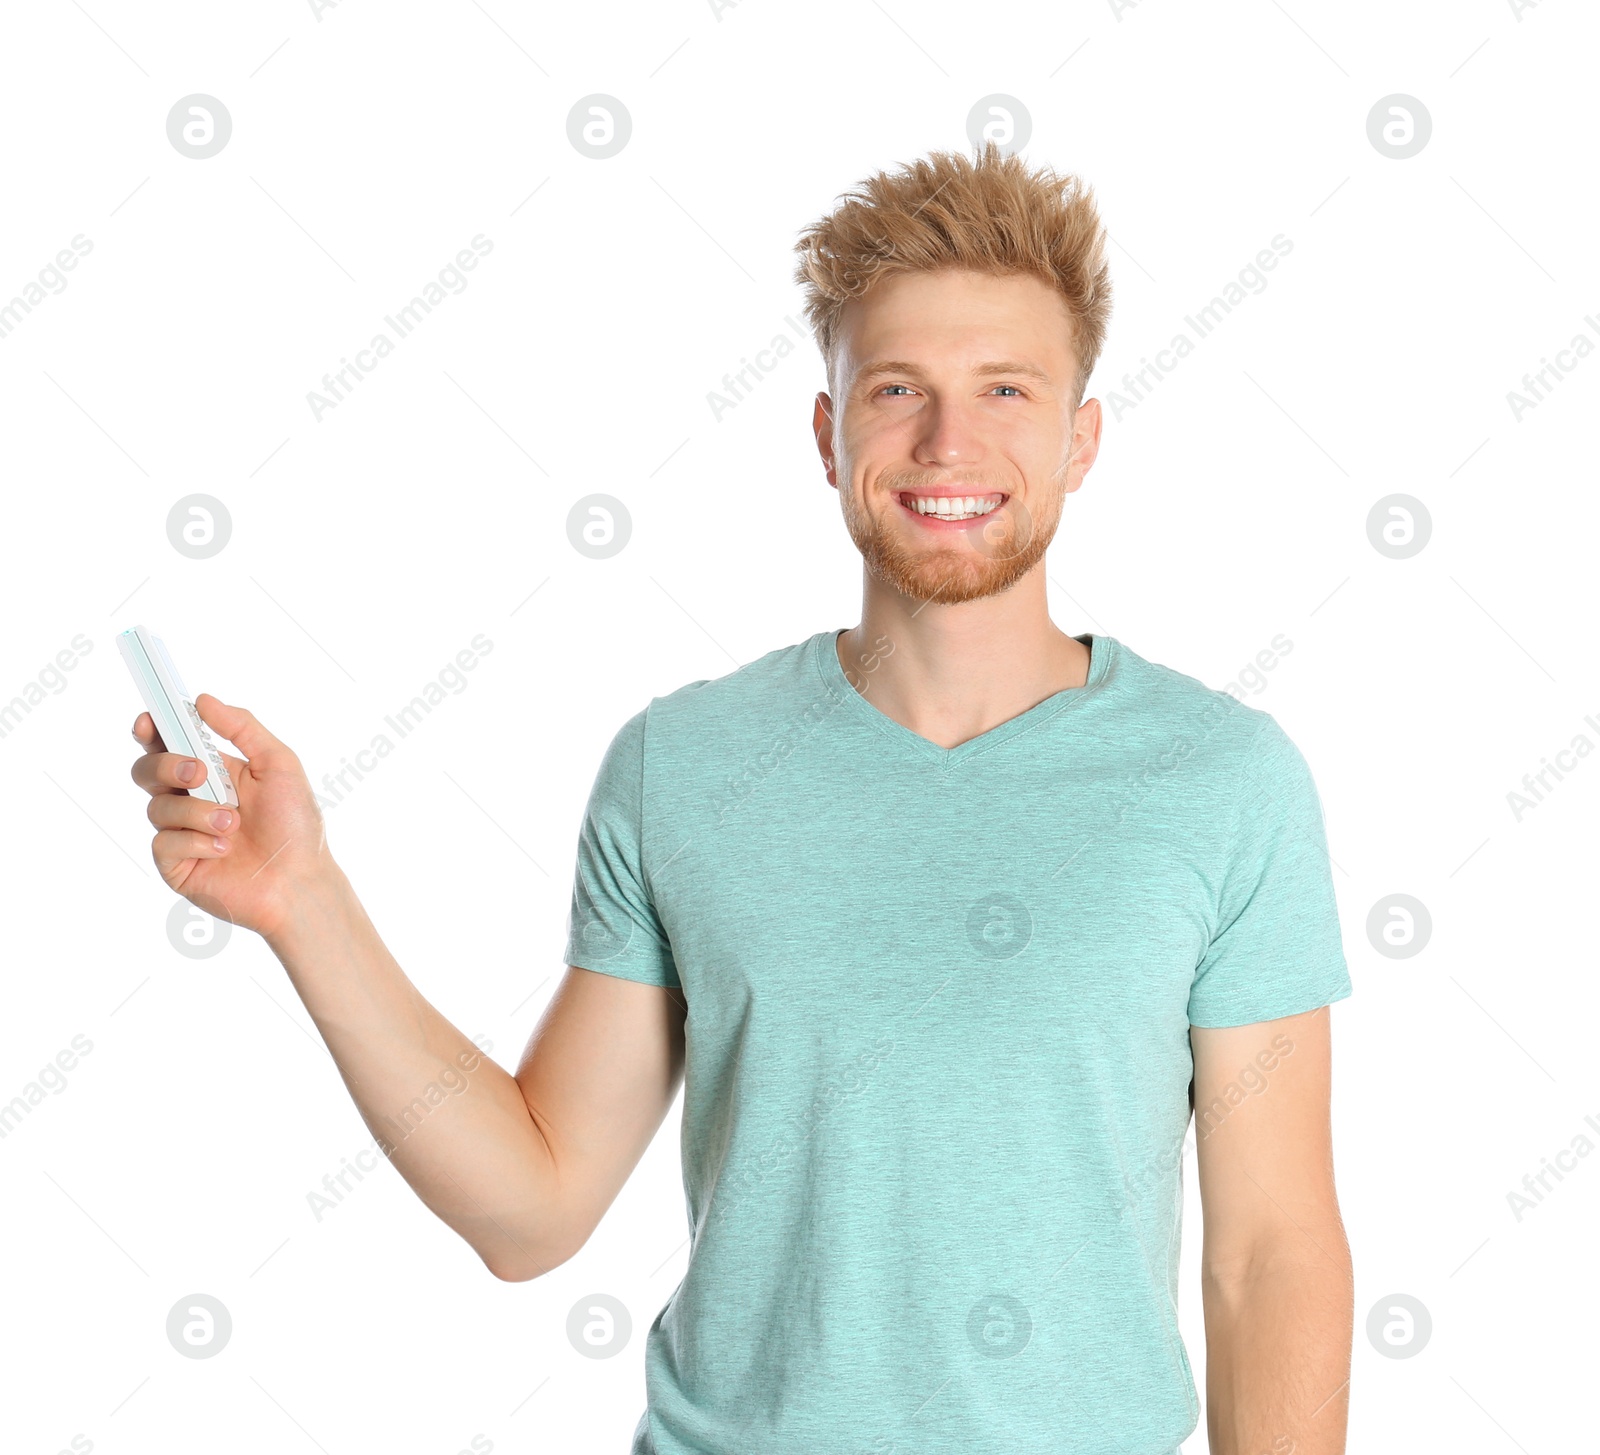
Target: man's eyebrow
x,y
880,367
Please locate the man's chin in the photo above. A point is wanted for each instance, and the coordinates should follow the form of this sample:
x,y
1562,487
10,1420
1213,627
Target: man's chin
x,y
946,578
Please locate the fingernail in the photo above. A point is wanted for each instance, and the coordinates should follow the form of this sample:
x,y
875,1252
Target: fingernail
x,y
219,844
187,771
221,819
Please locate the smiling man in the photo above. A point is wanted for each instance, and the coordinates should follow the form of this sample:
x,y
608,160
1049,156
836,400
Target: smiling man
x,y
998,907
945,923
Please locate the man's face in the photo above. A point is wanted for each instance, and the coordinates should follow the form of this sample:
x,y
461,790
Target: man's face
x,y
955,387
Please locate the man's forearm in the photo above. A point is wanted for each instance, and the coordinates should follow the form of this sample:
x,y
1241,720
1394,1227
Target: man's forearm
x,y
454,1124
1278,1348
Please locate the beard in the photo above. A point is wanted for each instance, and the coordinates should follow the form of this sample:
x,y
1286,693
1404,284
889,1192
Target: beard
x,y
994,553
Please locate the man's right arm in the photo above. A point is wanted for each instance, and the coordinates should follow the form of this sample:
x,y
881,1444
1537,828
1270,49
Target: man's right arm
x,y
523,1167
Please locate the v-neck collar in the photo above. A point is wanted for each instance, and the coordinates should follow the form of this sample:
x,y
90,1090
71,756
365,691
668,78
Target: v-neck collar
x,y
825,652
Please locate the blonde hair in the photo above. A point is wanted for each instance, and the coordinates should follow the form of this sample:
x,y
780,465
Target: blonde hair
x,y
988,214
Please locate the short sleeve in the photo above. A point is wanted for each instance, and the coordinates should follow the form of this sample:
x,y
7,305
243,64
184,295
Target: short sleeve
x,y
613,927
1276,949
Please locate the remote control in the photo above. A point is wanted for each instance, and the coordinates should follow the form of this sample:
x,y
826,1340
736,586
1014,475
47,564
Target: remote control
x,y
173,711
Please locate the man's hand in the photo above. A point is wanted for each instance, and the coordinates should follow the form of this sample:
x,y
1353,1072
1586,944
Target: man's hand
x,y
244,865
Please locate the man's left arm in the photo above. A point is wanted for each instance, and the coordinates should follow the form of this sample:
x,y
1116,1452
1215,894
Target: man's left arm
x,y
1277,1286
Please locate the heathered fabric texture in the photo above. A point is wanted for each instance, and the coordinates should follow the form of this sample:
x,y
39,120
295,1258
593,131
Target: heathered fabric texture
x,y
938,1068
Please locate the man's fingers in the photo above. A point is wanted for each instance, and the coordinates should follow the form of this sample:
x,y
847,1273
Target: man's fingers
x,y
160,772
185,811
145,734
241,727
171,847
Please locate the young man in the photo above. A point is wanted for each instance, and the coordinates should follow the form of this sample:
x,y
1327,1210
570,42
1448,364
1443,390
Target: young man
x,y
946,923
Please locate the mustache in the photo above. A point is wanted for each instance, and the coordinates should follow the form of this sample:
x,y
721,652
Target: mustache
x,y
984,482
913,480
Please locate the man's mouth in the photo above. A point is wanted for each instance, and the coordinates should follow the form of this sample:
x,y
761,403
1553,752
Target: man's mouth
x,y
950,507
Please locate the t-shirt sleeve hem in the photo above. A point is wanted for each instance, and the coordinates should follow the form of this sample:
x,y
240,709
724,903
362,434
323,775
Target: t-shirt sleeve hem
x,y
1249,1013
626,967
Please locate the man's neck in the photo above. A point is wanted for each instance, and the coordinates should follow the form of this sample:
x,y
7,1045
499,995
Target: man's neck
x,y
951,673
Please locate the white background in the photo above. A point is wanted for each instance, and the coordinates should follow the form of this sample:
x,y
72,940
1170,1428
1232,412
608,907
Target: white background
x,y
369,146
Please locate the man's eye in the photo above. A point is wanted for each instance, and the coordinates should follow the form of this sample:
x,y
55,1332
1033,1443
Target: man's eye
x,y
1012,387
906,387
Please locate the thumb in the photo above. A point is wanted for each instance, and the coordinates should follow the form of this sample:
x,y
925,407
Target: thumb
x,y
242,728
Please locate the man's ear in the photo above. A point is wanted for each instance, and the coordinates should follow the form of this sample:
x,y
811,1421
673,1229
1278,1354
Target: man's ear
x,y
1086,424
822,428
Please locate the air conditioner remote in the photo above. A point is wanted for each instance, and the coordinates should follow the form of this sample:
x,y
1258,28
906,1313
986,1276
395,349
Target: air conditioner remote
x,y
173,711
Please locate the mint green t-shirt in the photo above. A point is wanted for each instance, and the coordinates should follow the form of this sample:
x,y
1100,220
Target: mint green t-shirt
x,y
938,1068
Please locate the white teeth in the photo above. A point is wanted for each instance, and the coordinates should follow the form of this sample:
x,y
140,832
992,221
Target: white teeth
x,y
953,507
